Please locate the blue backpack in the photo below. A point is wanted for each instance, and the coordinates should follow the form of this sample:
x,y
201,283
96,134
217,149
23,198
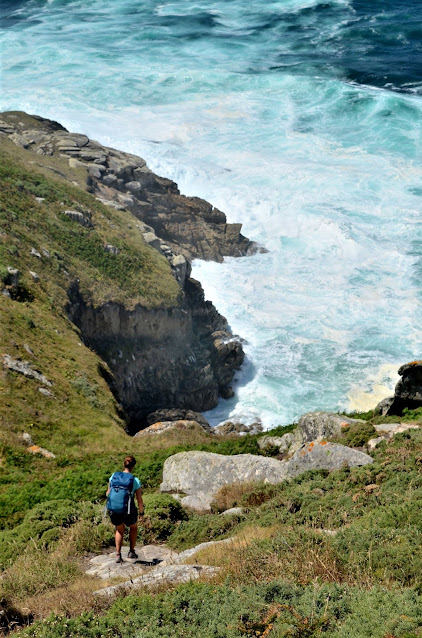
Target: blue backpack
x,y
119,500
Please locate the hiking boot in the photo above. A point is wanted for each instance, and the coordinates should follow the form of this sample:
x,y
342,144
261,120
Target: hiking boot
x,y
119,558
132,554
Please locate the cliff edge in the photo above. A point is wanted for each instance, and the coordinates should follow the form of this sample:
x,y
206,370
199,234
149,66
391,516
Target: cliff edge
x,y
107,243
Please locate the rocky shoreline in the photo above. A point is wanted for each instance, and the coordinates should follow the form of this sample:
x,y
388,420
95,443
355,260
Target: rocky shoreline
x,y
182,357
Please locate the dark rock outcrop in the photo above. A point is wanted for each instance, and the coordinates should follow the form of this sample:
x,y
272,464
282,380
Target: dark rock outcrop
x,y
407,393
161,359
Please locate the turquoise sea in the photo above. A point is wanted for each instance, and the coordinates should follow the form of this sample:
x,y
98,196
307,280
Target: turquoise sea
x,y
299,118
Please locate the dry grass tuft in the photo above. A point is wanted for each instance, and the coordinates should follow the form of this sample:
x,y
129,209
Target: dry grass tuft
x,y
70,600
264,553
233,496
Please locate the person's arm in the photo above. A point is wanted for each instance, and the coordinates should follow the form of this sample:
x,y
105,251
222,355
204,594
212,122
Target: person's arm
x,y
108,490
140,502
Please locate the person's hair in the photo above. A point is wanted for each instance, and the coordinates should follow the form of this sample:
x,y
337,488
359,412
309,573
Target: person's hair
x,y
129,462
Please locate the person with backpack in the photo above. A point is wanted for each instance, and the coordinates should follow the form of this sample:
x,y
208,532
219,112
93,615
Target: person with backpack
x,y
121,492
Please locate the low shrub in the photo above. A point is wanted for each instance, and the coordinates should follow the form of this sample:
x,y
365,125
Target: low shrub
x,y
200,529
43,526
238,611
357,434
163,513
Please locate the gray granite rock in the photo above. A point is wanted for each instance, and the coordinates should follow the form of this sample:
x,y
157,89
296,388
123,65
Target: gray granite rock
x,y
167,575
316,426
105,566
233,511
25,368
199,475
78,217
166,426
388,430
320,455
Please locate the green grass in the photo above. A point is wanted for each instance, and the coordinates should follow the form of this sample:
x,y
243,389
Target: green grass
x,y
139,274
230,611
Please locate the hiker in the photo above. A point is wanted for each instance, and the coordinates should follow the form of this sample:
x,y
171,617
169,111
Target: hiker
x,y
122,488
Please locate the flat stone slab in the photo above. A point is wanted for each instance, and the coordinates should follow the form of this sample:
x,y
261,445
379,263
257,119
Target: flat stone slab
x,y
395,428
105,567
188,553
169,574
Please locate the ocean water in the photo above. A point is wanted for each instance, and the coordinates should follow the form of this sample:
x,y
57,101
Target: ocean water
x,y
299,118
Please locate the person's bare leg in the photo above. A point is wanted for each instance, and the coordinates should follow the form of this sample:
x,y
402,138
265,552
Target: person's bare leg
x,y
133,536
120,531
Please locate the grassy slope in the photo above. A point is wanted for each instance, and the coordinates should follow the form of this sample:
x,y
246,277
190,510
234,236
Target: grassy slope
x,y
363,581
284,573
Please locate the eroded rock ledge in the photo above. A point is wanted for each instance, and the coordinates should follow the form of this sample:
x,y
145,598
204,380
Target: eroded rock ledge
x,y
190,226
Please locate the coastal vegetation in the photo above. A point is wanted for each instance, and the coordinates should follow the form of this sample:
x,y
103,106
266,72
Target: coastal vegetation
x,y
331,554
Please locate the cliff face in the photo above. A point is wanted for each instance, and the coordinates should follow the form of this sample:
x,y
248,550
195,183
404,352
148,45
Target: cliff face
x,y
175,354
183,357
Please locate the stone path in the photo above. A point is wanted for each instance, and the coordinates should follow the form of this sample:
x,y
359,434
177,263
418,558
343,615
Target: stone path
x,y
169,574
105,566
155,565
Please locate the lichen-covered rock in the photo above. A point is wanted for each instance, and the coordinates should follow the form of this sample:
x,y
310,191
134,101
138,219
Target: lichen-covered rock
x,y
200,475
320,455
388,430
315,426
36,449
178,415
78,217
167,426
25,368
232,427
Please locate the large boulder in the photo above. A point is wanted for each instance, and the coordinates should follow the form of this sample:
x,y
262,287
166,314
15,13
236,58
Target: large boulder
x,y
316,426
178,415
199,475
320,455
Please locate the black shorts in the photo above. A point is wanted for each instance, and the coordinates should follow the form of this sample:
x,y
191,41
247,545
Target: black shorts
x,y
127,519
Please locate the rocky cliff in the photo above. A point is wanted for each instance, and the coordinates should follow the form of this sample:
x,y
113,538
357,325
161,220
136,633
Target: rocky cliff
x,y
190,226
166,353
182,357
